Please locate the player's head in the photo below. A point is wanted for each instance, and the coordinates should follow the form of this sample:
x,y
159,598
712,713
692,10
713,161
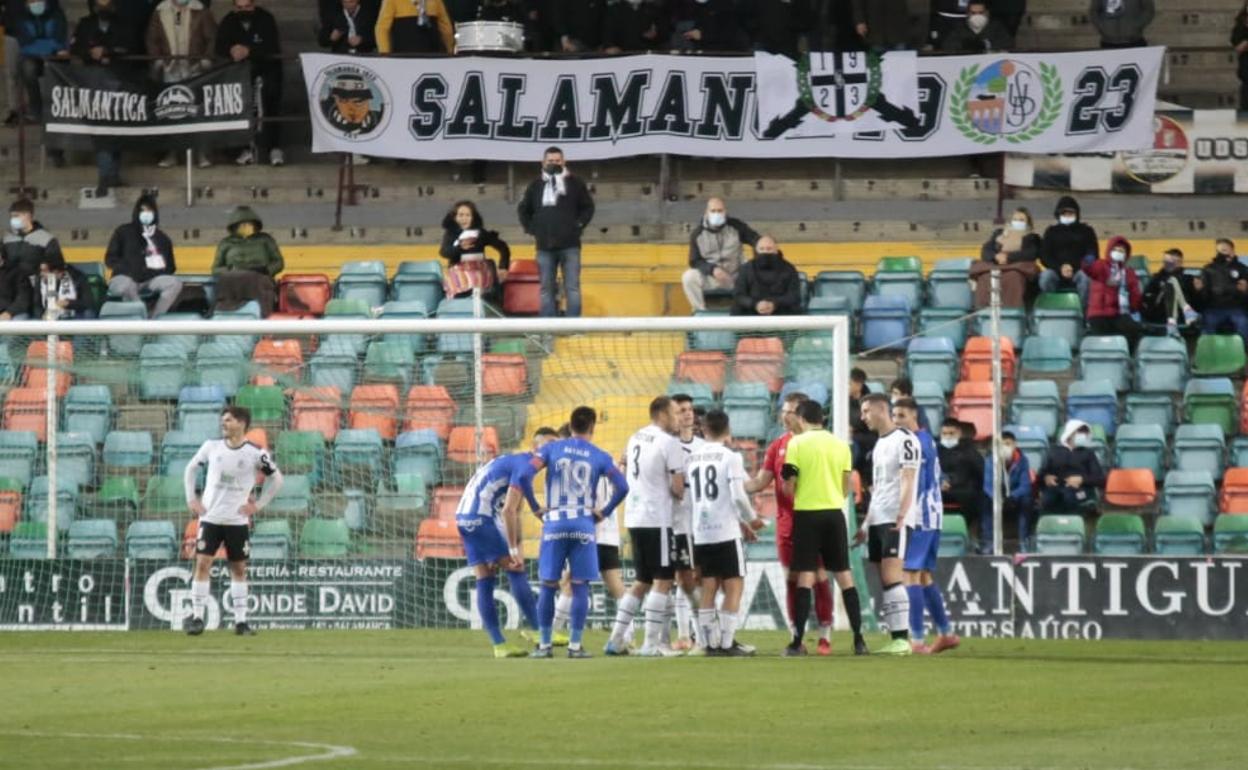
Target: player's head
x,y
582,421
950,433
902,387
235,420
715,426
906,413
1008,444
663,413
788,410
809,415
565,430
684,411
875,413
699,414
543,436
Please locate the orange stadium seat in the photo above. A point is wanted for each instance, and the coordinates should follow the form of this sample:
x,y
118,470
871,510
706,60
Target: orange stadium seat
x,y
445,501
461,445
709,367
430,407
24,410
977,361
504,374
760,359
304,293
10,504
1131,488
1234,497
972,402
438,539
317,409
36,373
377,407
273,359
258,436
522,292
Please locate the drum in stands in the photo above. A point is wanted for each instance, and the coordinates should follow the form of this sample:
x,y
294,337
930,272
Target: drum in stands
x,y
489,36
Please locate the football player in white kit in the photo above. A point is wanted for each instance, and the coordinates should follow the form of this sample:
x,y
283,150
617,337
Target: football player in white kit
x,y
686,598
225,511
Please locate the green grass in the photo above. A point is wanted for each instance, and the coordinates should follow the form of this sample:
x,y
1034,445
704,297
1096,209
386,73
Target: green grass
x,y
433,699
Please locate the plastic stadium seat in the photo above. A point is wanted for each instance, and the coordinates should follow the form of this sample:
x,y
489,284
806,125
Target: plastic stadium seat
x,y
324,538
522,290
293,499
1106,358
705,366
1239,452
1178,536
118,496
1096,403
76,458
461,446
165,497
92,539
1038,404
406,310
429,407
1234,497
35,370
19,450
886,322
848,284
303,293
89,409
815,391
748,405
949,284
1120,534
1058,315
812,359
455,308
1212,402
127,450
1032,442
899,276
1151,409
1013,325
1059,535
828,306
334,365
162,371
977,362
388,362
317,410
29,540
1199,447
1243,411
1230,534
66,501
724,341
1130,488
438,539
938,323
124,345
760,359
348,307
357,455
156,540
1219,354
177,447
972,402
1046,355
932,359
277,361
1189,494
504,374
301,452
24,411
266,402
218,363
402,501
188,342
701,394
418,453
1160,365
445,502
199,410
272,540
364,280
7,369
376,407
1141,446
420,281
931,399
955,540
10,503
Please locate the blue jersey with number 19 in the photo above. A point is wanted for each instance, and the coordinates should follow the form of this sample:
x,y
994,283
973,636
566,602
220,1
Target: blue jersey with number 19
x,y
931,513
573,469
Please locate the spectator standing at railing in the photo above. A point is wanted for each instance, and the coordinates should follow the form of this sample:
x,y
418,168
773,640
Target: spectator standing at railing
x,y
182,33
42,33
1239,40
100,38
249,33
1010,13
348,26
980,33
778,25
415,26
555,210
247,263
1067,244
716,251
706,25
1121,23
140,254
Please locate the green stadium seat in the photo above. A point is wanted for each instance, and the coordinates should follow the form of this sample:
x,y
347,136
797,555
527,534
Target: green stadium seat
x,y
66,501
220,364
899,276
92,539
1046,355
199,410
1151,409
1013,325
348,308
1189,494
118,496
1060,535
1120,534
418,453
19,450
294,498
89,409
828,306
266,402
908,264
850,284
955,540
1141,446
324,538
418,281
1037,403
165,497
363,280
1107,359
812,359
1178,536
933,359
1199,447
29,540
272,539
1096,403
389,362
1160,365
400,504
156,540
1212,402
162,371
357,457
124,345
76,458
1230,534
302,453
1219,354
950,323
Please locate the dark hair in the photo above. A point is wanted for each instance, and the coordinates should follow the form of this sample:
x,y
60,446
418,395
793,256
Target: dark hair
x,y
969,430
810,412
951,422
857,375
1008,434
716,423
583,420
903,385
545,430
682,398
22,206
1173,252
659,405
796,397
565,431
875,398
1218,242
477,221
699,412
551,149
240,413
907,403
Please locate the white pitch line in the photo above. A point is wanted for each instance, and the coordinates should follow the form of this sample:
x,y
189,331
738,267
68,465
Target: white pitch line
x,y
659,764
327,750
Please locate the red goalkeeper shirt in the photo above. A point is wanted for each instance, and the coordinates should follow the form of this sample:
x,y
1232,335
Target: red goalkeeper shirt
x,y
774,461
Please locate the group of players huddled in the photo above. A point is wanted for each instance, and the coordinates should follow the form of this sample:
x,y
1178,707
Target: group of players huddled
x,y
687,509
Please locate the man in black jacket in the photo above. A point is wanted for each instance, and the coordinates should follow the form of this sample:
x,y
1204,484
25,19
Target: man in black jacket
x,y
767,284
962,470
1066,245
14,292
99,38
27,244
1172,300
578,23
716,251
1223,287
554,210
140,255
632,27
348,26
978,33
250,34
1071,474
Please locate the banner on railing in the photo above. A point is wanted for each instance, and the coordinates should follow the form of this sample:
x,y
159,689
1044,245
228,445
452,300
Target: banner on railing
x,y
1202,152
63,595
826,105
110,108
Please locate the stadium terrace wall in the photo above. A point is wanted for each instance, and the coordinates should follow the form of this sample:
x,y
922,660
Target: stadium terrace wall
x,y
1032,597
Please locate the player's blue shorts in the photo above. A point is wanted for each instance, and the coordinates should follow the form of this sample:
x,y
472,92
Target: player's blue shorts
x,y
570,542
922,545
484,541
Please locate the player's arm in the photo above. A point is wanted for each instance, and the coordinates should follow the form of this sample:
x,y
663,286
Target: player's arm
x,y
511,519
909,478
522,483
272,484
618,483
189,477
676,469
761,481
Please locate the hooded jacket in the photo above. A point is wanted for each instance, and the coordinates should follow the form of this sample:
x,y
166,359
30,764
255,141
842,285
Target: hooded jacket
x,y
712,247
768,278
1068,244
1107,280
257,252
258,31
128,250
1017,477
1064,460
27,252
452,252
42,35
1125,23
1220,278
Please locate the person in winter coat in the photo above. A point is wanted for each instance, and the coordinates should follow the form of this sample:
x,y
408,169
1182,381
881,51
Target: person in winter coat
x,y
464,241
247,263
182,32
414,26
140,255
979,33
1010,13
1014,244
27,244
348,26
14,291
1223,286
555,210
706,25
1171,299
249,33
962,470
64,285
1066,246
577,24
1071,474
716,250
1114,293
1239,41
1122,22
98,39
767,284
777,26
943,17
42,33
1018,494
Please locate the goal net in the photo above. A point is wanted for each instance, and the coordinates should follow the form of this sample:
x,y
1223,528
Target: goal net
x,y
376,425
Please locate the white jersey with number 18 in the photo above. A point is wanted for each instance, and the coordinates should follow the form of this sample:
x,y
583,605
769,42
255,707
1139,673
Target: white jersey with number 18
x,y
716,489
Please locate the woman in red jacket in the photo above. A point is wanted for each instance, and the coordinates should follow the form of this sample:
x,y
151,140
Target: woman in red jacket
x,y
1114,293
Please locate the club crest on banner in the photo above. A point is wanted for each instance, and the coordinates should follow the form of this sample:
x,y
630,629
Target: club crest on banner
x,y
177,102
1165,160
1008,99
353,102
839,85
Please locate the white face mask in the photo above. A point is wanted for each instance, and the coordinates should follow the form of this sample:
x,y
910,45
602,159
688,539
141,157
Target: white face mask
x,y
1007,453
1068,219
1018,224
17,224
716,218
1118,255
977,22
1083,440
147,217
948,442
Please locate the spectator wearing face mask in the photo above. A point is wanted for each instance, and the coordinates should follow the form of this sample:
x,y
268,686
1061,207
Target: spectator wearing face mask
x,y
247,263
1239,41
1016,485
768,284
555,210
716,249
1071,474
62,287
1066,246
1012,251
962,471
1223,286
27,244
1171,299
42,33
980,33
1121,23
140,255
1114,293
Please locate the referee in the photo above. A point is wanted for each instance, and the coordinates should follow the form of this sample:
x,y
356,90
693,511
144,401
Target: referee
x,y
816,473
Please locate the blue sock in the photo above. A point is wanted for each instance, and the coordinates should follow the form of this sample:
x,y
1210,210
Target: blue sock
x,y
936,606
518,582
487,609
546,612
916,612
580,612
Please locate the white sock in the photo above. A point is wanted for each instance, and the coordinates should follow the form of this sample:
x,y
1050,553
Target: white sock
x,y
655,607
238,598
665,631
199,597
707,626
563,611
625,611
727,629
897,609
684,614
825,632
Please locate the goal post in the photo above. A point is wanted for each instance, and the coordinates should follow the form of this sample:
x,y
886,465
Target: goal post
x,y
376,423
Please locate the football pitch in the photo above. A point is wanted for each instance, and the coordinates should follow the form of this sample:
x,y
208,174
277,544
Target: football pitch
x,y
434,699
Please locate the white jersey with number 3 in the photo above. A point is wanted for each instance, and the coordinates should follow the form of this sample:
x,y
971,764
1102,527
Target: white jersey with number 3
x,y
652,456
716,478
895,451
231,477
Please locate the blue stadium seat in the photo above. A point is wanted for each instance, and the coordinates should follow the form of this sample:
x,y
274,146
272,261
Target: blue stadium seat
x,y
293,499
199,410
815,391
1160,365
1151,409
162,371
128,449
700,392
92,539
1096,403
1013,325
357,455
886,322
124,345
364,280
933,359
949,286
1046,355
748,405
1239,452
1106,358
66,501
724,341
419,281
944,322
156,540
901,277
828,306
1037,403
1191,494
18,452
89,409
850,284
75,458
177,448
931,398
419,452
407,309
334,365
1199,447
811,359
188,342
220,364
455,343
1032,442
1141,446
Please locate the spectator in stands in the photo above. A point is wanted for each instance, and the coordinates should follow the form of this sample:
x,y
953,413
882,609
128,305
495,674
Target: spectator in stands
x,y
1114,293
1223,287
464,241
42,33
944,17
247,263
1239,41
140,256
767,284
555,210
1012,250
903,387
962,471
577,24
1010,13
706,25
1066,246
14,291
98,39
184,32
414,26
1122,22
778,25
979,33
349,26
249,33
716,249
65,286
864,437
882,25
1016,484
1171,298
27,244
634,25
1071,474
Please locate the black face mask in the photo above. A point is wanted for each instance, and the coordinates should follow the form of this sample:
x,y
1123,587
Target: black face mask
x,y
767,259
554,169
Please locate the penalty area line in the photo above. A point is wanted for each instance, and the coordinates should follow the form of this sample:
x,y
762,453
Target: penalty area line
x,y
660,764
326,751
